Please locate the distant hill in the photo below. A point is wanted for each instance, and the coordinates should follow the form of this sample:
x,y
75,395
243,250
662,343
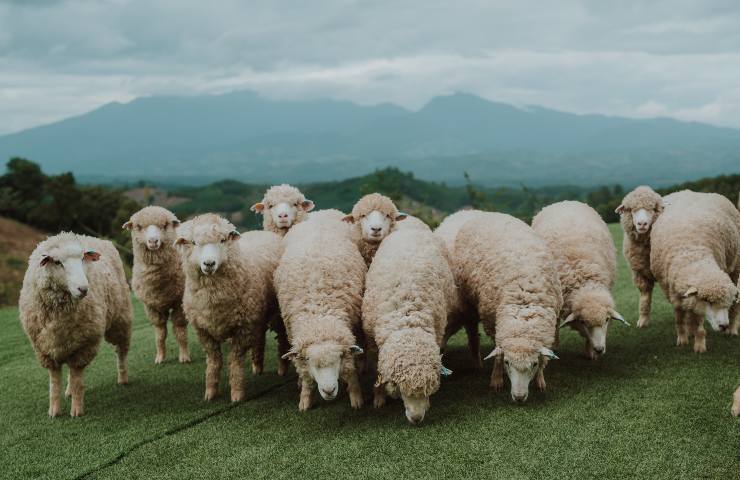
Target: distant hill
x,y
17,241
246,137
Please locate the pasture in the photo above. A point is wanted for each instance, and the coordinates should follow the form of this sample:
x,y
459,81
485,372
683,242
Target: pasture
x,y
647,409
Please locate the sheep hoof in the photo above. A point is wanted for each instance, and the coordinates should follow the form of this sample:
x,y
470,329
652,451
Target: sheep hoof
x,y
356,401
184,358
282,369
304,404
237,396
682,340
700,347
257,369
123,378
643,322
497,385
379,401
76,411
159,359
54,411
211,393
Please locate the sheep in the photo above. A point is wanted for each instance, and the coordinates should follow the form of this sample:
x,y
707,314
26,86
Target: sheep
x,y
319,284
695,256
508,273
736,403
228,292
375,216
638,212
409,292
585,258
74,294
157,278
282,207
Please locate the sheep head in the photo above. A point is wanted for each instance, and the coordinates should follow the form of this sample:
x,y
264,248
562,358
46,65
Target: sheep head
x,y
282,207
65,264
152,227
375,215
592,309
522,360
207,243
708,292
639,210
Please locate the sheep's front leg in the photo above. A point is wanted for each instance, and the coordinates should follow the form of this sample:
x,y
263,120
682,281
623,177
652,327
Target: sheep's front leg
x,y
283,346
236,373
588,348
159,322
700,335
55,391
379,396
541,375
497,375
77,389
122,365
682,336
214,361
646,300
180,329
734,319
306,399
471,329
354,389
258,351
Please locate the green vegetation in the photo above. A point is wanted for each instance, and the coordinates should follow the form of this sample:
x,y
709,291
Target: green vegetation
x,y
647,409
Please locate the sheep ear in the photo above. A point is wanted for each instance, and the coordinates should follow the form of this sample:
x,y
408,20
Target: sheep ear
x,y
349,219
181,241
401,216
257,207
175,223
690,291
494,353
568,319
620,209
290,355
307,205
378,380
91,256
617,316
128,225
46,259
234,235
355,350
544,351
444,371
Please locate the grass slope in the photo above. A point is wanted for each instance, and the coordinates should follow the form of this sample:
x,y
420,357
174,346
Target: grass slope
x,y
646,410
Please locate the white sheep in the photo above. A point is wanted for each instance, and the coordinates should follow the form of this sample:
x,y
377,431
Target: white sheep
x,y
229,295
282,207
695,256
409,292
157,278
319,284
508,273
374,216
75,294
586,260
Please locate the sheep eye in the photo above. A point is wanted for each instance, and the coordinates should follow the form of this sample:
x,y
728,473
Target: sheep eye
x,y
506,362
223,240
138,227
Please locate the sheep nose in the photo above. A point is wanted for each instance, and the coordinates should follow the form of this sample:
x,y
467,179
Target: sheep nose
x,y
209,263
416,419
376,229
83,291
329,392
519,398
599,350
283,215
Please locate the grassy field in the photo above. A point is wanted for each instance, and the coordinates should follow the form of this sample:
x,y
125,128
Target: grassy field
x,y
647,409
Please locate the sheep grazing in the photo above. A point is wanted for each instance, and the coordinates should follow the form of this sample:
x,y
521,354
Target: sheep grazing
x,y
319,284
74,294
638,212
228,292
695,256
157,278
375,216
282,207
508,273
585,258
409,292
736,403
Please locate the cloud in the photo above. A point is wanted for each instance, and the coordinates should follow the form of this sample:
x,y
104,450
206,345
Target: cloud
x,y
638,58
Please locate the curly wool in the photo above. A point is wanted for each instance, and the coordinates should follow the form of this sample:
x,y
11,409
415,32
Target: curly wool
x,y
585,258
277,194
64,330
410,291
696,243
363,207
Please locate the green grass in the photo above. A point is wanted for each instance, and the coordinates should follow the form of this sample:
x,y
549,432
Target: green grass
x,y
646,410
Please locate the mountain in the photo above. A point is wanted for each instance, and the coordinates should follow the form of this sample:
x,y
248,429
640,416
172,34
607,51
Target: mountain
x,y
244,136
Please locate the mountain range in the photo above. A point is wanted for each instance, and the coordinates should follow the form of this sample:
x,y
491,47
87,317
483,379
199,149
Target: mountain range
x,y
245,136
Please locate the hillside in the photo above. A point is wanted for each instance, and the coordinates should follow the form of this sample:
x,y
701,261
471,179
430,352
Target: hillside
x,y
246,137
17,241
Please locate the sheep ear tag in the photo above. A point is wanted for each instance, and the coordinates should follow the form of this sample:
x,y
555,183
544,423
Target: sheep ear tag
x,y
548,353
91,256
355,350
444,371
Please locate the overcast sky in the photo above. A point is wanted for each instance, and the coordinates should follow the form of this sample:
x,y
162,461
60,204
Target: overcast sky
x,y
633,58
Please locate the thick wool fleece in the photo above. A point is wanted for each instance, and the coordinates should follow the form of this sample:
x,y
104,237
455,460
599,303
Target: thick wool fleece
x,y
409,292
508,273
363,207
277,194
585,258
235,303
319,284
696,244
65,330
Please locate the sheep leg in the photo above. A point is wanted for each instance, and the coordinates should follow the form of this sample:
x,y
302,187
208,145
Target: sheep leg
x,y
258,351
734,319
379,396
55,391
214,361
159,322
122,365
646,300
497,375
306,398
700,335
77,388
180,329
541,375
354,389
67,391
283,346
236,373
682,336
471,329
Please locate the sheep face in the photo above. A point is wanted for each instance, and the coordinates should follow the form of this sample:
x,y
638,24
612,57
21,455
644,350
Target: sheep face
x,y
717,314
67,268
324,363
152,227
521,365
209,248
592,311
710,293
640,208
283,214
375,226
416,407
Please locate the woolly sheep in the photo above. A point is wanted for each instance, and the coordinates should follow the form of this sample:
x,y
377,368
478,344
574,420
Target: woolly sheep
x,y
695,256
375,216
75,294
507,272
228,292
282,207
409,292
157,278
638,211
585,258
319,284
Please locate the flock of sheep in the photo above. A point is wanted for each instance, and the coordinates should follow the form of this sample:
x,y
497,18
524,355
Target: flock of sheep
x,y
377,291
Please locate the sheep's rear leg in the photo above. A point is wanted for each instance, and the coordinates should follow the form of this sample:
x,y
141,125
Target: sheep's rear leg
x,y
55,391
180,329
258,352
306,397
77,389
497,375
354,390
283,346
682,336
471,329
379,396
540,381
700,335
734,319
